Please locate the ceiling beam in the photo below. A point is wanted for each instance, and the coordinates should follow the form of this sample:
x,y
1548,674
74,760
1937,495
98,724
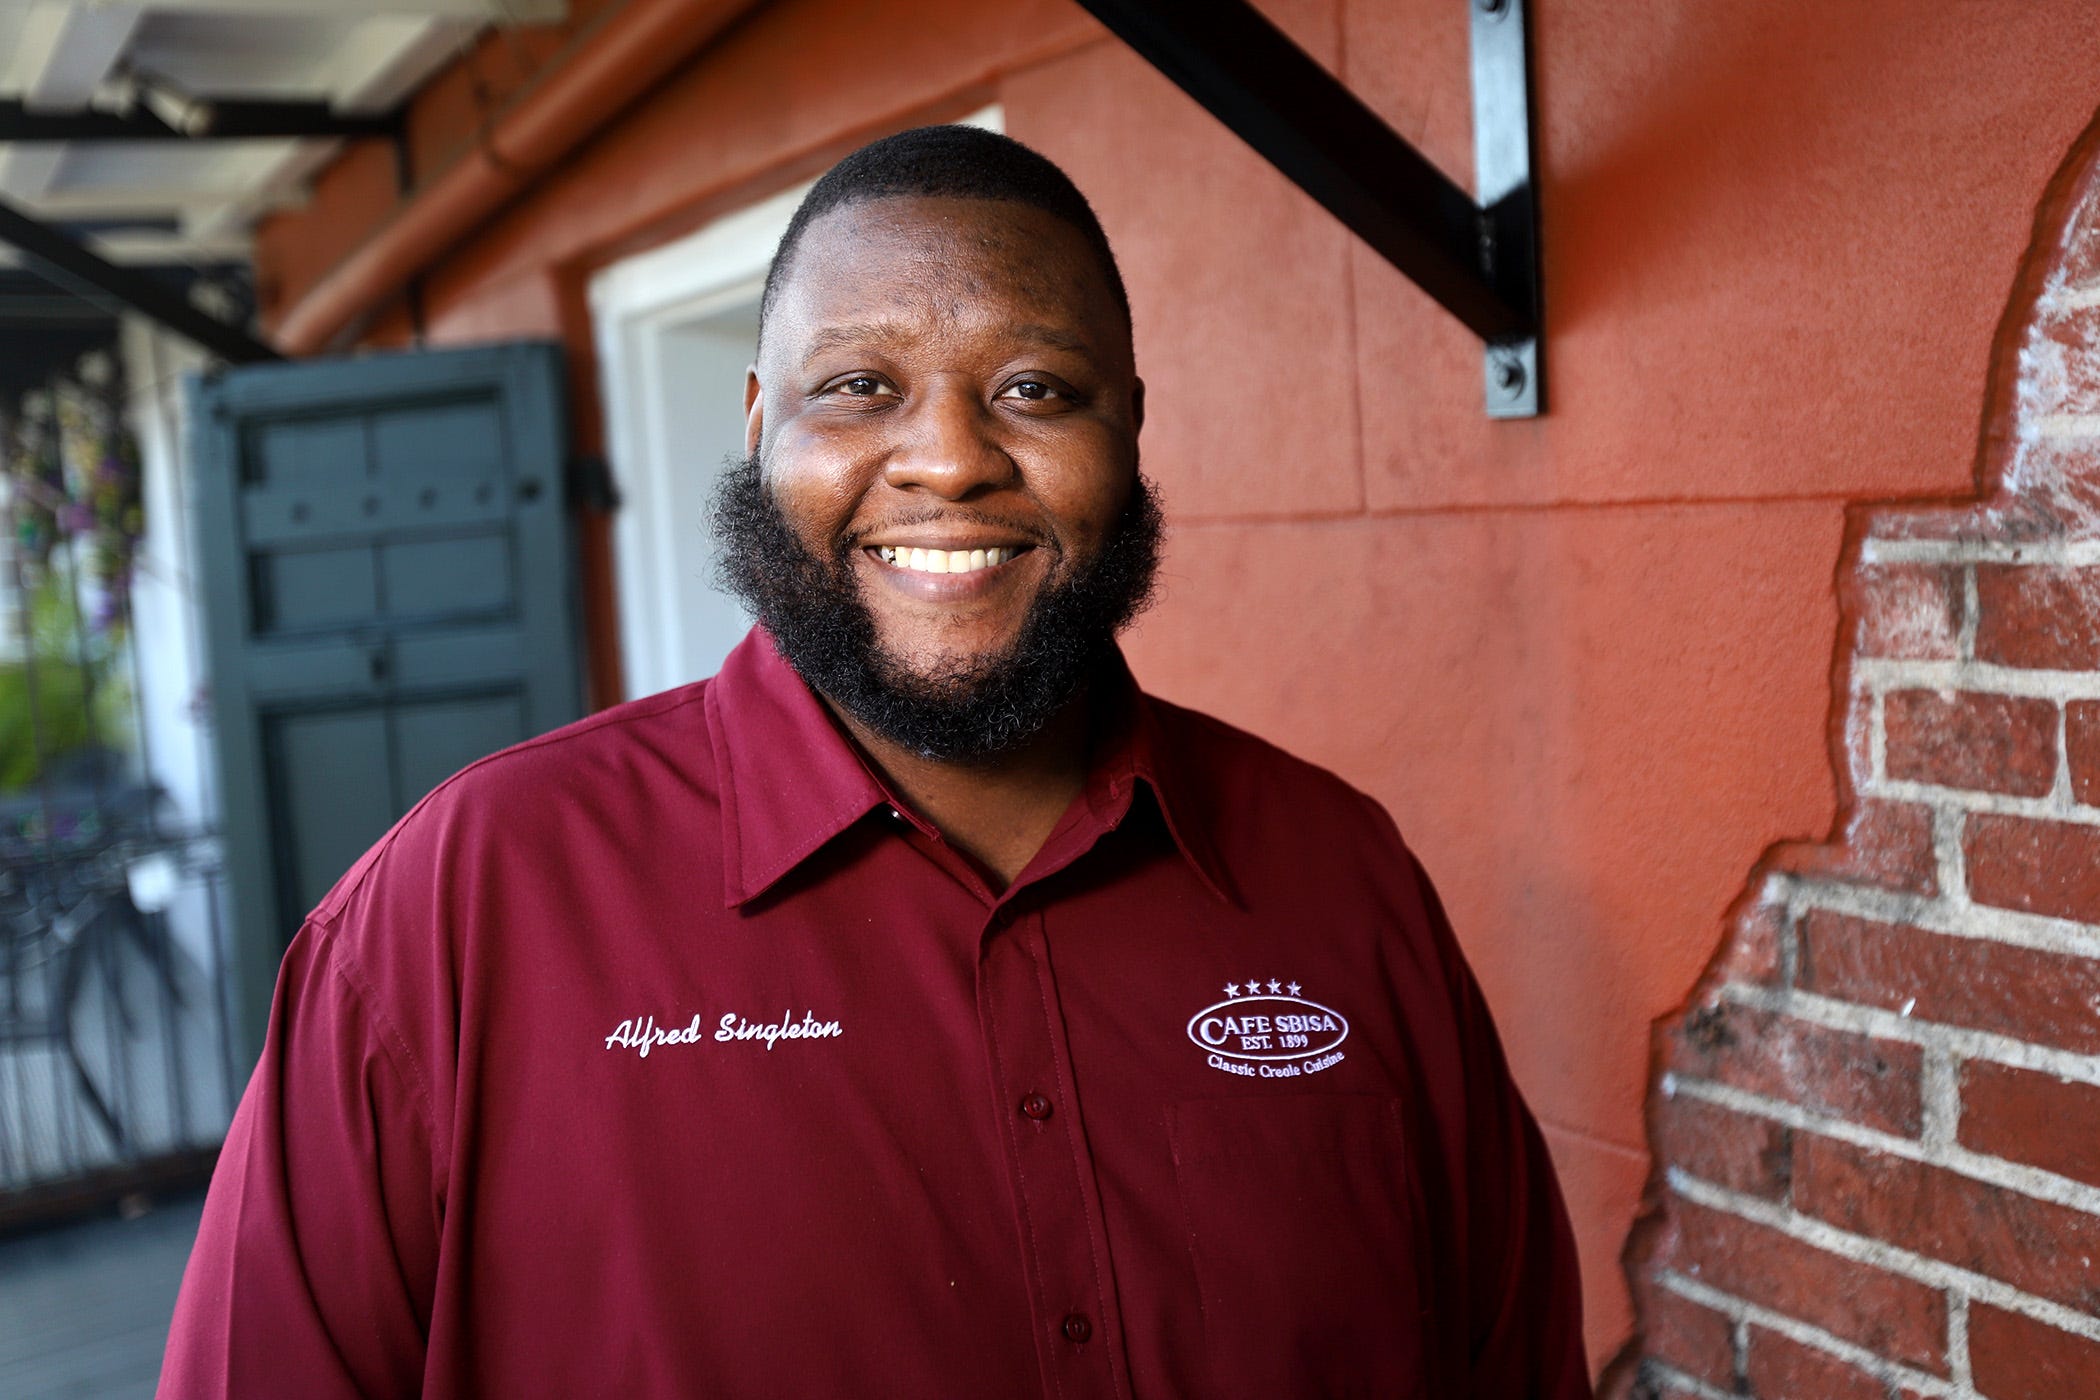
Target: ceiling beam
x,y
380,64
63,54
212,121
27,171
75,264
483,11
377,68
127,249
82,48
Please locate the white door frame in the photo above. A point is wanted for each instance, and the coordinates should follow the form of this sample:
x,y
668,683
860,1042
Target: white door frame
x,y
635,303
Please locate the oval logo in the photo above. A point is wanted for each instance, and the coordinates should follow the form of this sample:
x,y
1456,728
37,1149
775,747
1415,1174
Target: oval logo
x,y
1264,1028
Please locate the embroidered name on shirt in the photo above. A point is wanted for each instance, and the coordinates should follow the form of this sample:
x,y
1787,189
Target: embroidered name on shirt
x,y
1272,1034
642,1034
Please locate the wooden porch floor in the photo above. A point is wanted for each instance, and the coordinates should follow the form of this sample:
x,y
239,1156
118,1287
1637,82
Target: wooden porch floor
x,y
84,1309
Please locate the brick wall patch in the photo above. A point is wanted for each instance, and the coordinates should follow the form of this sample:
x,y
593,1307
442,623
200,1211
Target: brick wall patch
x,y
1876,1124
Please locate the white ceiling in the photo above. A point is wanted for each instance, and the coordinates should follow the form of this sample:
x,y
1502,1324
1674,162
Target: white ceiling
x,y
362,57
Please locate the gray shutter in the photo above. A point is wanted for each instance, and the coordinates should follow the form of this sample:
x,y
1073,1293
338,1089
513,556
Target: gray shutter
x,y
389,596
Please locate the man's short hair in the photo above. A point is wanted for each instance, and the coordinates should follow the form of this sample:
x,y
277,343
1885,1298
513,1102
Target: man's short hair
x,y
960,162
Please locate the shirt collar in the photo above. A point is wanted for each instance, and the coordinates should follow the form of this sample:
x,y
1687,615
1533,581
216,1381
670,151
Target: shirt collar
x,y
791,780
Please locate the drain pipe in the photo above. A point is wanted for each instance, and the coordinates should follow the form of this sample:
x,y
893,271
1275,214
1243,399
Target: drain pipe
x,y
634,49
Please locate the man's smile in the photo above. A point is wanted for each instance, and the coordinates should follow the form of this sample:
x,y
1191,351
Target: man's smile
x,y
950,572
936,560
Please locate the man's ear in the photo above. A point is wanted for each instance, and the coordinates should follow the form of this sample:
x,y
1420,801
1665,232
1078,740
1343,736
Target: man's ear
x,y
1137,406
754,411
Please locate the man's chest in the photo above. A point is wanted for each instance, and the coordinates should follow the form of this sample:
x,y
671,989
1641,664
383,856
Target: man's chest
x,y
1120,1135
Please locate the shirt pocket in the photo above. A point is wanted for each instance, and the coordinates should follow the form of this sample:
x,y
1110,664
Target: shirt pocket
x,y
1299,1221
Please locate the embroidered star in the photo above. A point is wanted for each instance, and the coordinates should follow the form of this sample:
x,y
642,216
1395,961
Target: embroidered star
x,y
1274,985
1232,989
1253,986
1294,989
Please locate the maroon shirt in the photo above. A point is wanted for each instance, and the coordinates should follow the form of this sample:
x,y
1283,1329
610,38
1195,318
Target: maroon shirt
x,y
661,1056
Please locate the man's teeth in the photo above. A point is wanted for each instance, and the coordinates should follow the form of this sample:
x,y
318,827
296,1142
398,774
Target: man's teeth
x,y
944,561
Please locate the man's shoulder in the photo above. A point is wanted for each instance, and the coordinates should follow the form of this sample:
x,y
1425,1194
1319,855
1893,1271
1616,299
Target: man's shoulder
x,y
620,743
1243,778
522,796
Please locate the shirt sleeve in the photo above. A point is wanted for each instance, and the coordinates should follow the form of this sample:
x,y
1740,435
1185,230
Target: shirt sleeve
x,y
1524,1289
316,1260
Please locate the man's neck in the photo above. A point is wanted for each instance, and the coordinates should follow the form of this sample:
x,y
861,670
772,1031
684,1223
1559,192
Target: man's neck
x,y
998,811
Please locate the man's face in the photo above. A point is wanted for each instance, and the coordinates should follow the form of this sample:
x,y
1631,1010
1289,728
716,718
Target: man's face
x,y
940,519
942,377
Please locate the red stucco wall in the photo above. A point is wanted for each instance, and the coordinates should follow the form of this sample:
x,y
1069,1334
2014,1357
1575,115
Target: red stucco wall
x,y
1584,660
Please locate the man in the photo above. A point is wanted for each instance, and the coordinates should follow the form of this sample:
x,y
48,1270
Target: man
x,y
915,1008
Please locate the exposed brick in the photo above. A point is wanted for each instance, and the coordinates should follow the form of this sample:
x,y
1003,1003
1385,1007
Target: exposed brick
x,y
1696,1340
1860,727
1751,1155
2034,1118
2017,1358
1780,1368
2082,749
2038,617
2002,520
2061,357
2037,1246
1891,1316
2051,998
2079,262
1750,952
2039,867
1888,844
1907,612
1991,743
2056,479
1864,1079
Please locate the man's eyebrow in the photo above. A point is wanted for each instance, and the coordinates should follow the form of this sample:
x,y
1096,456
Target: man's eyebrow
x,y
1052,337
853,333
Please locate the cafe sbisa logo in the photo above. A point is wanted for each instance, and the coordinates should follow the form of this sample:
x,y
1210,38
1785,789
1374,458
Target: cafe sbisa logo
x,y
1265,1030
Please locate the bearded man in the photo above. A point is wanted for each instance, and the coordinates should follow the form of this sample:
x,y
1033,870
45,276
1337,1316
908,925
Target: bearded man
x,y
916,1008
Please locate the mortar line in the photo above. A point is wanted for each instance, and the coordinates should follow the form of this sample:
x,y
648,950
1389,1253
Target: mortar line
x,y
1880,1254
1980,1167
1807,1334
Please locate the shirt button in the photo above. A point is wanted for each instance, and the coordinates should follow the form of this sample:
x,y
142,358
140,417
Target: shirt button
x,y
1038,1107
1077,1328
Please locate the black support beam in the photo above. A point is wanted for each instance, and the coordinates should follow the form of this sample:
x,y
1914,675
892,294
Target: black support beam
x,y
1277,98
1477,258
80,266
215,121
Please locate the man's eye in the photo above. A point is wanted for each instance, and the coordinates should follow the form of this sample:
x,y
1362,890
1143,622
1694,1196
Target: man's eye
x,y
1029,389
863,385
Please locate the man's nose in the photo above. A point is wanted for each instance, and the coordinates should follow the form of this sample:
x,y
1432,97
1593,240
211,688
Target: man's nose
x,y
950,445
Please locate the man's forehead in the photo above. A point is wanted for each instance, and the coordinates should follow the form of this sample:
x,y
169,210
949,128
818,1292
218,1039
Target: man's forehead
x,y
835,334
871,265
990,224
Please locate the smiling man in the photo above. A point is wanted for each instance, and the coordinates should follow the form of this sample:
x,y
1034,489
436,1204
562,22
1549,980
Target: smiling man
x,y
917,1007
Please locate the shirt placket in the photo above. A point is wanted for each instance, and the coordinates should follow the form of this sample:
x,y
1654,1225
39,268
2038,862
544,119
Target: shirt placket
x,y
1064,1242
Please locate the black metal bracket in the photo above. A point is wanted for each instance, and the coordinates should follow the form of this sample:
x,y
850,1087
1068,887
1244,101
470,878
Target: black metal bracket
x,y
1508,195
210,121
1479,260
75,264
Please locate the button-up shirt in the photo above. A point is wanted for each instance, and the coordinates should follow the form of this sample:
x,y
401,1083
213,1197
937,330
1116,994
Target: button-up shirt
x,y
673,1054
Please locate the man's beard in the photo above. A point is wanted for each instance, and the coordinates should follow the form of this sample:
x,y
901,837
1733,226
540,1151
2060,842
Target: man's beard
x,y
966,709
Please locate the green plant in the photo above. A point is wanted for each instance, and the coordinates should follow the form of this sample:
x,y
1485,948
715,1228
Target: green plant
x,y
69,693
